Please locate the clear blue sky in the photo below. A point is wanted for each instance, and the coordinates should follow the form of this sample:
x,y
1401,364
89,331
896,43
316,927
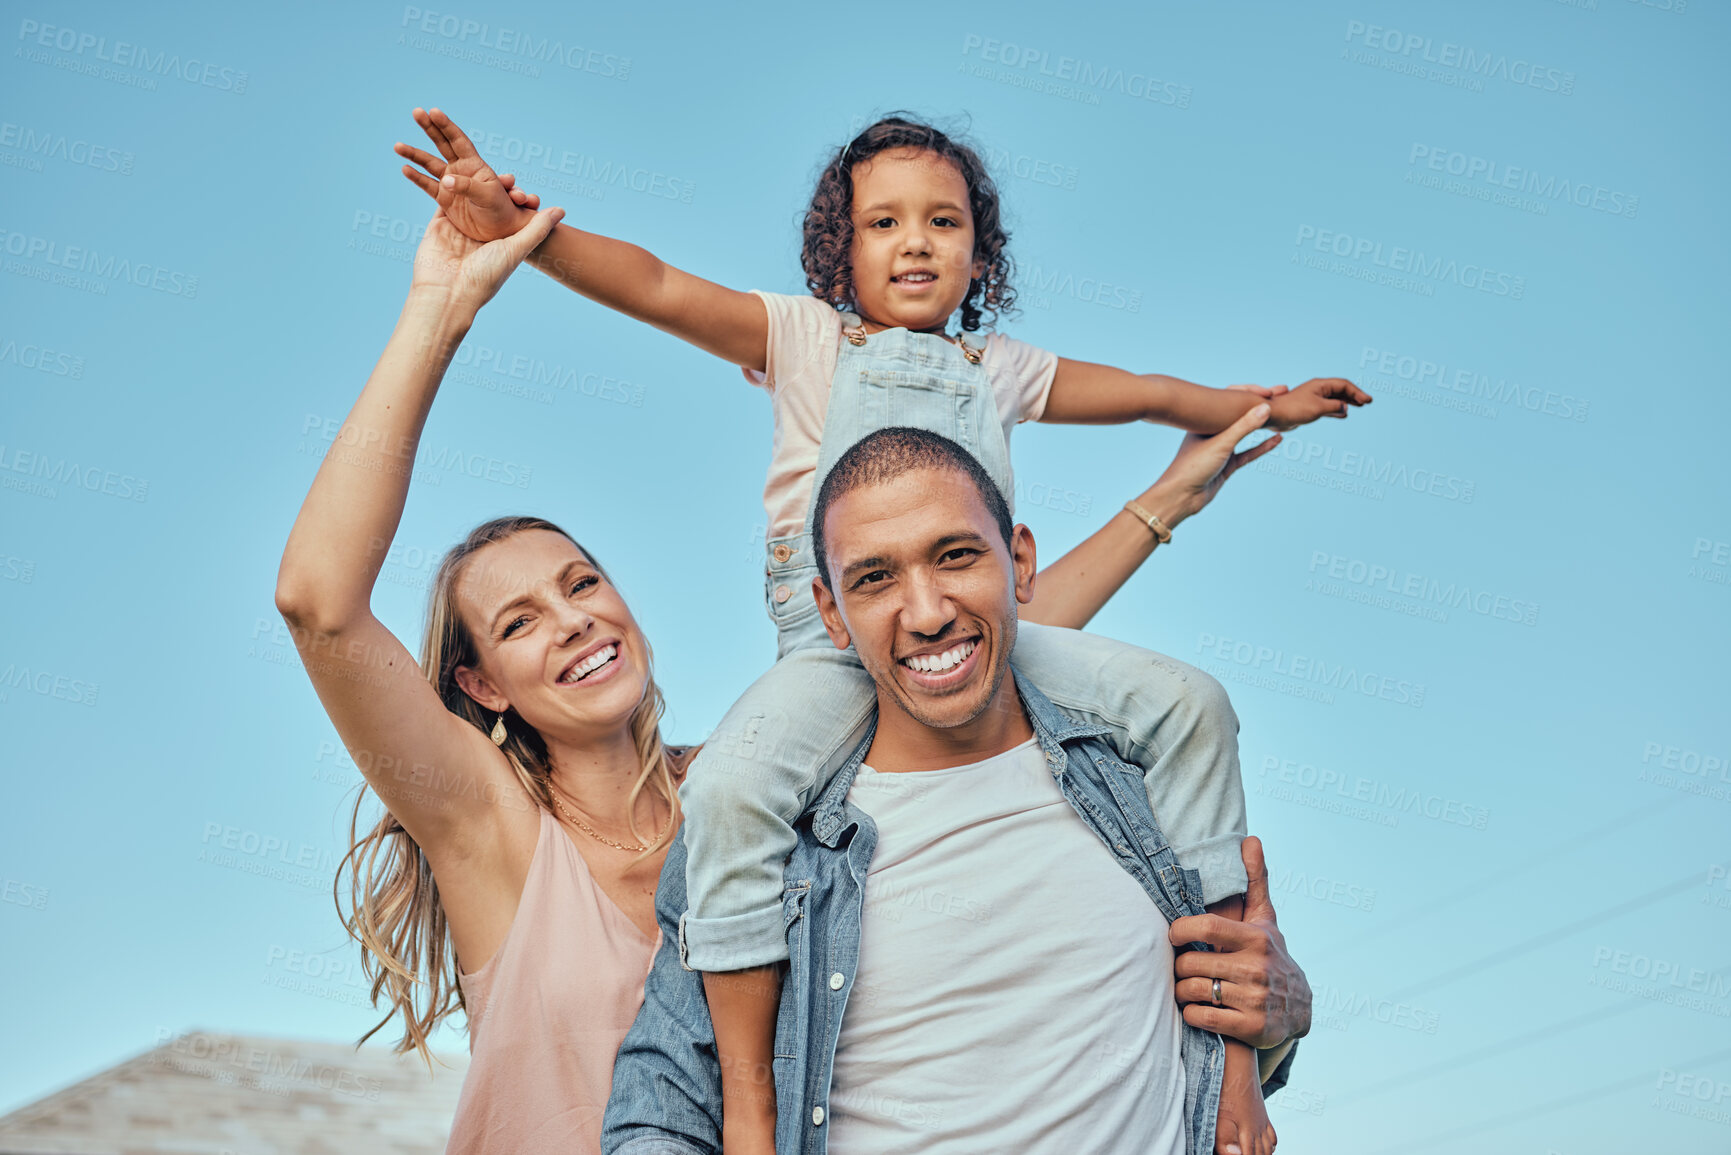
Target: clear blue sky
x,y
1474,634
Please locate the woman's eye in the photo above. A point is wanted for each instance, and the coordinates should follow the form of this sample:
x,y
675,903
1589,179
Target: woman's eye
x,y
512,628
585,582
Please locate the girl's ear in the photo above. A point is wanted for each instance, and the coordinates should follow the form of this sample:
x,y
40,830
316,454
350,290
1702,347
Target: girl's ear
x,y
979,267
475,684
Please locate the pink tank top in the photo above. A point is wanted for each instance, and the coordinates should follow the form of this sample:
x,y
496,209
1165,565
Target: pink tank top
x,y
548,1011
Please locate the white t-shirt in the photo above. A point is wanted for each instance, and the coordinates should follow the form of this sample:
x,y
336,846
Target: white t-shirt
x,y
804,340
1015,983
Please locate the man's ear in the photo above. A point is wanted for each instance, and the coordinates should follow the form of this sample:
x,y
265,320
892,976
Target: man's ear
x,y
830,612
1022,558
476,685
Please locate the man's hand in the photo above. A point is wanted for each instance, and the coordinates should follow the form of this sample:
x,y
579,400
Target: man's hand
x,y
483,205
1317,397
1264,996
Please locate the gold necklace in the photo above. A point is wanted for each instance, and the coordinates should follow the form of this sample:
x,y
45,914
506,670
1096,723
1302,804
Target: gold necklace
x,y
593,833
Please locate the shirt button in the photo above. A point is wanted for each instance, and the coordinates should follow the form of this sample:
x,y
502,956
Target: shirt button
x,y
782,593
836,980
781,553
817,1116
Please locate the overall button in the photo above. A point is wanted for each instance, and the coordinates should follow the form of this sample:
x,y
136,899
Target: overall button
x,y
782,593
836,981
817,1116
782,552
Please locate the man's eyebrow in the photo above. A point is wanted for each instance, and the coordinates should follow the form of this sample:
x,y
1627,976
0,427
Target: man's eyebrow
x,y
864,563
969,537
564,574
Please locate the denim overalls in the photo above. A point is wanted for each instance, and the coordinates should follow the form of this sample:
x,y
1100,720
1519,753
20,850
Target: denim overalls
x,y
787,735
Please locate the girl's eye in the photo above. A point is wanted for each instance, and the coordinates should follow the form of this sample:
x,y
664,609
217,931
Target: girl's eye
x,y
944,222
883,223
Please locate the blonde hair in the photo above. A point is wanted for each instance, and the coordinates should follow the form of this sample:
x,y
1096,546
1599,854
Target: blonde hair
x,y
395,912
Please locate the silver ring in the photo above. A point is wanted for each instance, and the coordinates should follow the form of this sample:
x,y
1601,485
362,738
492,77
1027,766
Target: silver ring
x,y
1216,992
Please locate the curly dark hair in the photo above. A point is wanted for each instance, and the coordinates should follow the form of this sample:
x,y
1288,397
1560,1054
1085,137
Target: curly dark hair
x,y
828,241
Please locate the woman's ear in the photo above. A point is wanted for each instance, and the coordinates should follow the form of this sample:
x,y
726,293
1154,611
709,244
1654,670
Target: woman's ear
x,y
476,685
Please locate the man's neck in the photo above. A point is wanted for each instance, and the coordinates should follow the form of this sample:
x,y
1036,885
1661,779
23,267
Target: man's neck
x,y
903,744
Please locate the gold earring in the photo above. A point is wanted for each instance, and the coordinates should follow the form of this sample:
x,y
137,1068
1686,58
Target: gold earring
x,y
498,734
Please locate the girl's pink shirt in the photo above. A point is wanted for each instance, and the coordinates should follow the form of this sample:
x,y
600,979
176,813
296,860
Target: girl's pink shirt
x,y
548,1011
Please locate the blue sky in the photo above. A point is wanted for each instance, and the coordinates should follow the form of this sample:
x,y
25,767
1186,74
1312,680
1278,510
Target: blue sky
x,y
1474,634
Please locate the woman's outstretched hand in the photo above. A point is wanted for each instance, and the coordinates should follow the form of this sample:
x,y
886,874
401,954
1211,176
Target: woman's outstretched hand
x,y
466,272
1204,463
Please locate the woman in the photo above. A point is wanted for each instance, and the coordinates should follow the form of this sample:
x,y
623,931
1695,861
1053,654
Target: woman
x,y
530,799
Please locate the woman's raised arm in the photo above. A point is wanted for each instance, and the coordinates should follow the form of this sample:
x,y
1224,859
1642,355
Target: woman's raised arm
x,y
1072,589
419,757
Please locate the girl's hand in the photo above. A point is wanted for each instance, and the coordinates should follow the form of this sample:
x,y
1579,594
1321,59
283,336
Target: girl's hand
x,y
482,205
467,273
1204,463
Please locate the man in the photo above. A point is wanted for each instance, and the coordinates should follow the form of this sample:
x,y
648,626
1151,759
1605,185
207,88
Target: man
x,y
981,906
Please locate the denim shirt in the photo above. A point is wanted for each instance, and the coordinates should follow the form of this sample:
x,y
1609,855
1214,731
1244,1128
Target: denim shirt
x,y
666,1096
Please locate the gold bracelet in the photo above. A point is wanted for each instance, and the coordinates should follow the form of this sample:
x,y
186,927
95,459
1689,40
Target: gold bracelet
x,y
1154,524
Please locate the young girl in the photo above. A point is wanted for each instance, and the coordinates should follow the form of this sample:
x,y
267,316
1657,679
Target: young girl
x,y
903,231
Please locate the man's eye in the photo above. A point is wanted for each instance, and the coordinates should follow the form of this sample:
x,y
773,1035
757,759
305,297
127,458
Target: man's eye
x,y
962,553
875,577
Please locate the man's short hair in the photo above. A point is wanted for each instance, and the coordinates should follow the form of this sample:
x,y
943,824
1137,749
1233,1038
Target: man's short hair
x,y
884,455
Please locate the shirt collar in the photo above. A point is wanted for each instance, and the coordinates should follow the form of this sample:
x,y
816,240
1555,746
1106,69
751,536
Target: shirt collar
x,y
1052,728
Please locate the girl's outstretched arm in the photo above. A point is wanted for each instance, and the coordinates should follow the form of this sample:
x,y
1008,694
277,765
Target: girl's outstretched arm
x,y
485,206
1087,394
1072,589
